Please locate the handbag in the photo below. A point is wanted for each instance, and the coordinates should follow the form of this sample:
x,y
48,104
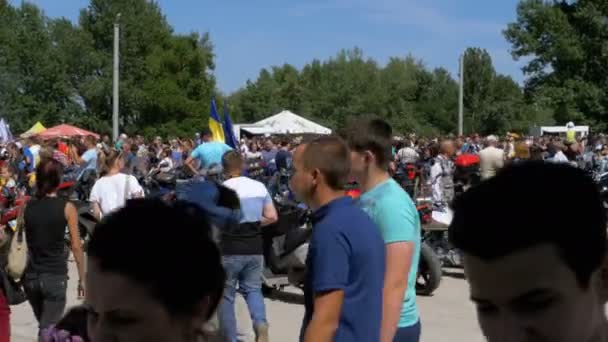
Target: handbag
x,y
13,291
18,252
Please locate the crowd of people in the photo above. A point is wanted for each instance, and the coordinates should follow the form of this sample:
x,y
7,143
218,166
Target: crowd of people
x,y
532,277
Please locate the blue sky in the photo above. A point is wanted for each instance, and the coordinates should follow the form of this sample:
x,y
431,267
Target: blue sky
x,y
250,35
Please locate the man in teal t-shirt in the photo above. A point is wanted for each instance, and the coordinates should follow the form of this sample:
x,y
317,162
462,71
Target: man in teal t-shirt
x,y
394,212
208,154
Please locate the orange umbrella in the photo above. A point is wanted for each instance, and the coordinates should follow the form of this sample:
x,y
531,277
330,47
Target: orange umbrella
x,y
65,131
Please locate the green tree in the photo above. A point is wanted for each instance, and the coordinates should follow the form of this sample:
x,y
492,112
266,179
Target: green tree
x,y
564,43
479,74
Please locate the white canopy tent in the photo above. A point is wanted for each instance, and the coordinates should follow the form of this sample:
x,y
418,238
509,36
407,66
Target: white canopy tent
x,y
541,130
284,122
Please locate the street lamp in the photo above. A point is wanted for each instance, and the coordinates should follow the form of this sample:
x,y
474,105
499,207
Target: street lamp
x,y
460,96
115,98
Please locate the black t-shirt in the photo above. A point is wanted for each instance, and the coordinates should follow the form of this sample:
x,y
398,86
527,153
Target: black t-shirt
x,y
45,227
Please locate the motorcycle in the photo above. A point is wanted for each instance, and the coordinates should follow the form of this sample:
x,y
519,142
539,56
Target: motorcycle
x,y
429,273
80,189
71,191
429,267
408,176
286,247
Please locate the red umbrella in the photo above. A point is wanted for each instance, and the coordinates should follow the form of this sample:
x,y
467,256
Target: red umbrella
x,y
65,131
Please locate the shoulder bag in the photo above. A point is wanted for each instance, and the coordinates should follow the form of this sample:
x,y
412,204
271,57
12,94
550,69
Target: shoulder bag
x,y
18,252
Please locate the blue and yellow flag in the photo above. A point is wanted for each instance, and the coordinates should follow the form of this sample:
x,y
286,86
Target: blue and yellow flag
x,y
215,124
229,130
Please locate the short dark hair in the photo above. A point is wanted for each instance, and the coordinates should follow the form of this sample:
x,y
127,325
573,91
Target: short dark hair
x,y
510,212
374,135
330,155
48,176
232,160
188,242
206,132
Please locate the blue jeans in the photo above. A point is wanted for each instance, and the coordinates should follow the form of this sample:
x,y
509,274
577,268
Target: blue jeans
x,y
408,334
243,274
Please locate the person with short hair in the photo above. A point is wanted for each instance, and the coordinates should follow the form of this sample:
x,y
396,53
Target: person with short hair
x,y
242,249
130,297
442,175
208,154
283,157
539,273
407,154
395,214
88,160
269,152
45,220
346,257
491,158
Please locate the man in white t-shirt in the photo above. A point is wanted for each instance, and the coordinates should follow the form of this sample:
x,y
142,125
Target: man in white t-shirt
x,y
491,158
242,249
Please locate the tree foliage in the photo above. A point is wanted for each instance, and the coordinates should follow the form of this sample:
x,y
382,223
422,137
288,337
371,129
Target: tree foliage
x,y
404,91
54,71
564,43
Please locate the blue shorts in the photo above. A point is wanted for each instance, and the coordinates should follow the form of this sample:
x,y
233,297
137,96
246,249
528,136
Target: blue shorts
x,y
408,334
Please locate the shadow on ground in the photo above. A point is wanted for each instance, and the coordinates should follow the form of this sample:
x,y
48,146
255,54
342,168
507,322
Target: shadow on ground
x,y
284,296
457,273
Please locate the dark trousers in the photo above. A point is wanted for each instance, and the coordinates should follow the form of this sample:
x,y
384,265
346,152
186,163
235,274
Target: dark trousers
x,y
5,316
408,334
46,293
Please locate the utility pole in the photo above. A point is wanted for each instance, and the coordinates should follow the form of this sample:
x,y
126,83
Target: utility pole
x,y
115,98
460,96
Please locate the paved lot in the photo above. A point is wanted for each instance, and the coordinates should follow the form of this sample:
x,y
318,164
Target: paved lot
x,y
446,316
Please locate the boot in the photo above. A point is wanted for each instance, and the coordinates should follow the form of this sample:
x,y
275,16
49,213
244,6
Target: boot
x,y
261,333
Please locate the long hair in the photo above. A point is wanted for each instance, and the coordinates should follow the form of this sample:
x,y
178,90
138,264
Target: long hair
x,y
48,177
110,160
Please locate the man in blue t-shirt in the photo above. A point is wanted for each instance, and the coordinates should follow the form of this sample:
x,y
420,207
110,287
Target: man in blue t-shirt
x,y
394,212
283,157
88,160
345,264
209,153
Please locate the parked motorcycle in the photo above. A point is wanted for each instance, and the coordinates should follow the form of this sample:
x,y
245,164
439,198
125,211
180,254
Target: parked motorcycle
x,y
78,189
286,247
429,267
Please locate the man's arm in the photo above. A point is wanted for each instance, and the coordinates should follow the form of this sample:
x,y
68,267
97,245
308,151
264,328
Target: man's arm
x,y
326,318
399,257
500,162
190,165
269,214
78,159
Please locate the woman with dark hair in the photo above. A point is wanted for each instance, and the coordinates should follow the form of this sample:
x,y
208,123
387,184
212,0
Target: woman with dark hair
x,y
114,188
45,219
131,297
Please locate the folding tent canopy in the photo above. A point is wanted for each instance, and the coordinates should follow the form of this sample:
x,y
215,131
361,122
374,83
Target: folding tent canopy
x,y
36,129
66,131
284,122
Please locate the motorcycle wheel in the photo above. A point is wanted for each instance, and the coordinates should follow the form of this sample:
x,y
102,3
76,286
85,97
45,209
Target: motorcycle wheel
x,y
429,271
